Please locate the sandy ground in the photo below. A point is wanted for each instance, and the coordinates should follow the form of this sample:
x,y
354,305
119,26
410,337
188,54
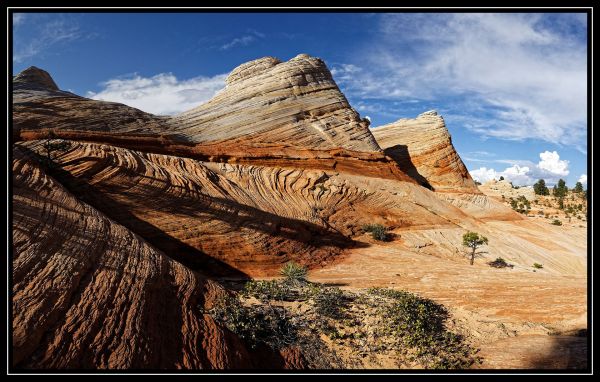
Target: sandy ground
x,y
514,314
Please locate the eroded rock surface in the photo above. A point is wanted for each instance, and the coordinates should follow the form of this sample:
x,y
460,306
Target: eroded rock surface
x,y
39,105
267,102
135,226
423,148
89,293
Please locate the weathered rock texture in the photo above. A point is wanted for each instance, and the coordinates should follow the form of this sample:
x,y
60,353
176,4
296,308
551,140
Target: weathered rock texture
x,y
118,241
89,293
423,149
38,104
267,102
249,218
499,188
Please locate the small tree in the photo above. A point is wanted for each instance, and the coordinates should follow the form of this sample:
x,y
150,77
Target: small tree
x,y
540,188
578,187
501,178
50,146
473,240
560,189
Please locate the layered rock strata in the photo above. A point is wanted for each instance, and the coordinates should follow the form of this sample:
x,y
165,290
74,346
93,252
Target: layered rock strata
x,y
295,103
38,104
423,149
89,293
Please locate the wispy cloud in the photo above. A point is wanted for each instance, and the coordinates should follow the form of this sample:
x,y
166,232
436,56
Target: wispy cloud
x,y
162,94
511,76
550,168
251,36
46,34
18,19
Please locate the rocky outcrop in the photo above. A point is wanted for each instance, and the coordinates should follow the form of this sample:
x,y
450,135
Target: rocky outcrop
x,y
34,78
237,219
121,237
423,149
271,103
500,188
89,293
38,104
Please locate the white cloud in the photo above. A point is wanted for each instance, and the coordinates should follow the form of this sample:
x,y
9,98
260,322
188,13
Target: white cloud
x,y
245,40
484,174
162,94
513,76
583,179
522,173
550,161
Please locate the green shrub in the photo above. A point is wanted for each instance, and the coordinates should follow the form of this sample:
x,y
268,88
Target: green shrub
x,y
500,263
294,272
378,231
521,204
267,290
256,324
419,324
556,222
538,266
329,302
413,315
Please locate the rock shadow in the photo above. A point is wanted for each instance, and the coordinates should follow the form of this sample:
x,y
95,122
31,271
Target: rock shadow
x,y
568,352
400,155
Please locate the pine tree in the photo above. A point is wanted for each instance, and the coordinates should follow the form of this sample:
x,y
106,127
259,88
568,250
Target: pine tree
x,y
540,188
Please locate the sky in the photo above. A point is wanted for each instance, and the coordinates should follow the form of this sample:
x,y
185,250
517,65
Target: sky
x,y
512,87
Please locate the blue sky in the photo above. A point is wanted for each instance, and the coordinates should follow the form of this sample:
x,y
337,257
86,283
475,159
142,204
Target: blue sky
x,y
511,87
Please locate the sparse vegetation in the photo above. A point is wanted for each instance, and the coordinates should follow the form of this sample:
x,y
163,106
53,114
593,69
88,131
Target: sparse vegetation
x,y
473,240
410,329
538,266
329,302
500,263
50,146
419,324
521,204
268,290
556,222
378,231
257,324
294,273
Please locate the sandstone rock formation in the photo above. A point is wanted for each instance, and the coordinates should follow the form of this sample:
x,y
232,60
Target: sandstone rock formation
x,y
32,78
89,293
131,229
423,149
38,105
499,188
251,218
269,103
